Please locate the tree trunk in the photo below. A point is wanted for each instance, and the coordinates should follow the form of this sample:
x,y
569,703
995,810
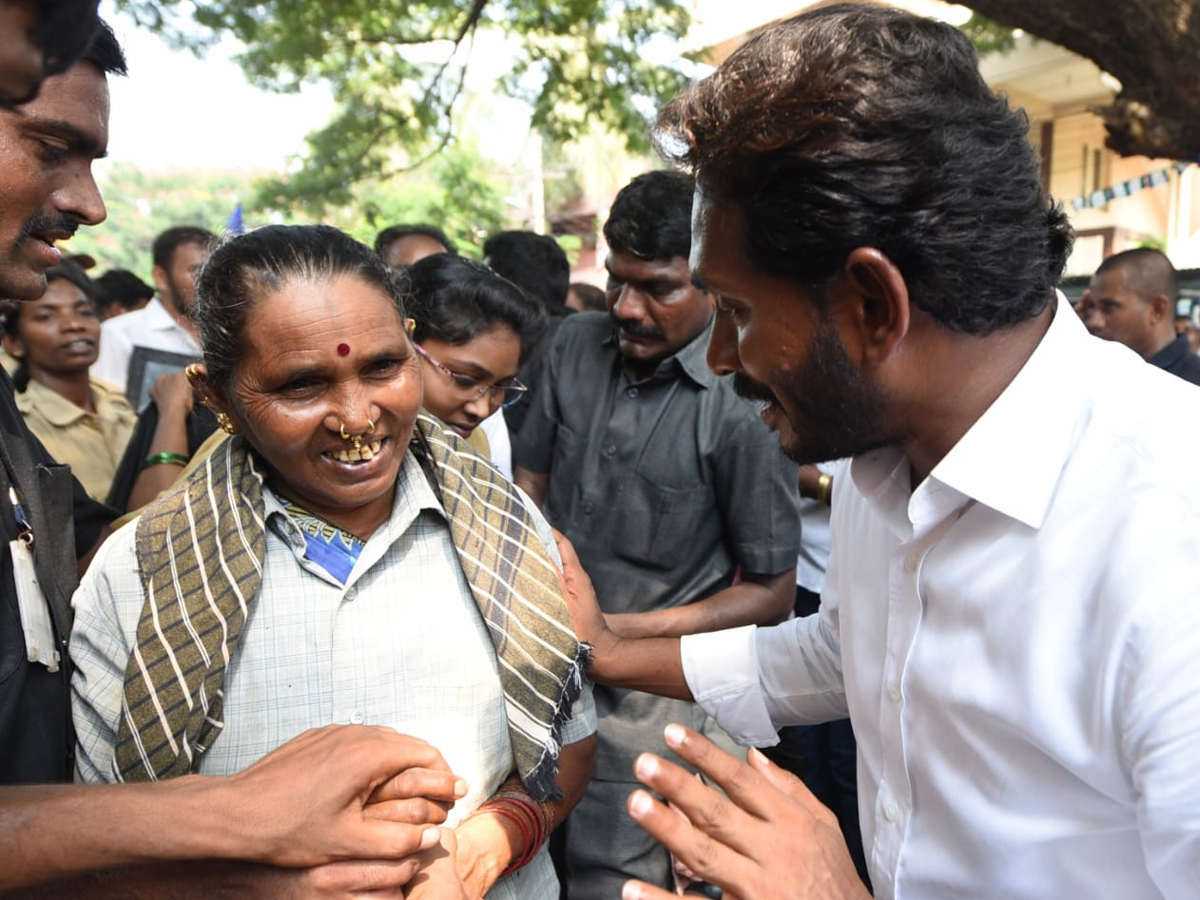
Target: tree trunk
x,y
1151,46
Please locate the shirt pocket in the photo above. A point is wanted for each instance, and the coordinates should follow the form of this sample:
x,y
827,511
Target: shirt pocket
x,y
655,525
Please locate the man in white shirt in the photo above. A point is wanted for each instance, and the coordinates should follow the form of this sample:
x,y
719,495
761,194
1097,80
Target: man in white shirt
x,y
1010,615
165,323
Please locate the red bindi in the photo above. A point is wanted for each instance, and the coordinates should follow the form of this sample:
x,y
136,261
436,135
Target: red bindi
x,y
343,349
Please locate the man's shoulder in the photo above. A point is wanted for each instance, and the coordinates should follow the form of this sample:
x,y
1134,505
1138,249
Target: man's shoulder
x,y
583,328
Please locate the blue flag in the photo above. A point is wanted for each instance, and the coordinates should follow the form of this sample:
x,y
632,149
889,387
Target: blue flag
x,y
236,225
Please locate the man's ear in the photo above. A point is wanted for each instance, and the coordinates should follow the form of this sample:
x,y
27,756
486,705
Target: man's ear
x,y
1162,307
879,302
159,276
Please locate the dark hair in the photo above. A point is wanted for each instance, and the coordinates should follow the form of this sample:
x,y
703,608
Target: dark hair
x,y
591,296
244,267
66,29
64,271
856,125
393,233
533,262
1147,271
162,251
103,50
651,217
453,299
120,286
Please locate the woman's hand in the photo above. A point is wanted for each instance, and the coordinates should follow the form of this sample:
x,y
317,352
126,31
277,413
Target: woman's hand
x,y
438,878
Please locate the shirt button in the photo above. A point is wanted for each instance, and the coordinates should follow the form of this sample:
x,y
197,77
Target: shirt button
x,y
891,813
632,392
611,450
357,718
894,692
351,593
587,507
910,563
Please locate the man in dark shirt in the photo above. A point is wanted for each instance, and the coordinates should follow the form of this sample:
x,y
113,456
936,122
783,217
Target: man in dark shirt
x,y
1131,299
668,484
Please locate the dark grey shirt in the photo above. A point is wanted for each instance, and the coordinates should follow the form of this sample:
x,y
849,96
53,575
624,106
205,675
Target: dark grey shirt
x,y
665,485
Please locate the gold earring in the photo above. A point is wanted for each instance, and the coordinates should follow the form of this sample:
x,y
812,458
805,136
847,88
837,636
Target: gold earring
x,y
192,372
225,423
410,325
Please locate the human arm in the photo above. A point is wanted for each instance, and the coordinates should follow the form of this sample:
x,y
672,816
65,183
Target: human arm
x,y
756,600
174,399
767,838
488,842
532,483
368,793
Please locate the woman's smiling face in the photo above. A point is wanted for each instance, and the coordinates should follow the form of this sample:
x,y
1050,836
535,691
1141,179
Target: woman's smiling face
x,y
322,357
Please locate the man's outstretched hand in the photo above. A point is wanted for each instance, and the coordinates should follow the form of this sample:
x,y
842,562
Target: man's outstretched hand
x,y
768,839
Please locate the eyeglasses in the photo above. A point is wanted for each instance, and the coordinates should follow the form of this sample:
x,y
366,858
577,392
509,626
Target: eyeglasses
x,y
507,392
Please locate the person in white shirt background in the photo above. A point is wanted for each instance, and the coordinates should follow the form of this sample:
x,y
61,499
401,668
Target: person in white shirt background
x,y
1009,616
165,323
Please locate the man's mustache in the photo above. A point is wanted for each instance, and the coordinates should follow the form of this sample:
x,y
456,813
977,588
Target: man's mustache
x,y
637,329
47,224
750,389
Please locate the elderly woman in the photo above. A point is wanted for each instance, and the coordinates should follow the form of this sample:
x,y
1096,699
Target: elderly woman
x,y
342,559
473,329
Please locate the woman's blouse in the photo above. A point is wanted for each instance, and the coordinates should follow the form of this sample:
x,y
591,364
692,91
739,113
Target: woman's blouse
x,y
401,643
90,443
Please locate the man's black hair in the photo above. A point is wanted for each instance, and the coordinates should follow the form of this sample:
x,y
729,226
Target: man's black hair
x,y
165,245
534,262
393,233
652,216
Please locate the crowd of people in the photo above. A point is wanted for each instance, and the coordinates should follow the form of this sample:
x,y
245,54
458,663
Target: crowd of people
x,y
337,569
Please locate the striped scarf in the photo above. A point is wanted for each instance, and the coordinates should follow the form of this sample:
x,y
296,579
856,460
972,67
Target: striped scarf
x,y
200,556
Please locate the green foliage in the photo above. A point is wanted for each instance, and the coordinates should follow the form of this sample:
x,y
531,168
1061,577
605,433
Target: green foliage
x,y
141,205
988,36
457,191
397,69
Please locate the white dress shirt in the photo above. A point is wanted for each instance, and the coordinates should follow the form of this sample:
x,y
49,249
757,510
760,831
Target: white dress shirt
x,y
1017,643
402,644
151,326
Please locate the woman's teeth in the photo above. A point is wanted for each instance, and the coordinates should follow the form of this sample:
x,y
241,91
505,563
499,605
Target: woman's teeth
x,y
357,454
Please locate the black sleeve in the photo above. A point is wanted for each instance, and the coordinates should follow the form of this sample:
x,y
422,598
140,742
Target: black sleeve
x,y
201,423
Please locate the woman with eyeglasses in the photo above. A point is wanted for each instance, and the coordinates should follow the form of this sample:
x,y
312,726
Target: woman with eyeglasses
x,y
473,329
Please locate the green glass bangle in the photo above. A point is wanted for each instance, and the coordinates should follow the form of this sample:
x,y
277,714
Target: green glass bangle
x,y
173,459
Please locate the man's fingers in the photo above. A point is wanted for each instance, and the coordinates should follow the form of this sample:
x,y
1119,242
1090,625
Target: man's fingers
x,y
412,811
701,853
432,784
789,785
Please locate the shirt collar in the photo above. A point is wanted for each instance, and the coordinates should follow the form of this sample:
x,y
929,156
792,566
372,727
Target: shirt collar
x,y
1171,354
53,406
158,319
1011,458
413,496
691,359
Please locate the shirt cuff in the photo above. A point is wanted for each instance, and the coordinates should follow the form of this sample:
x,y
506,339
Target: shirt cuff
x,y
721,670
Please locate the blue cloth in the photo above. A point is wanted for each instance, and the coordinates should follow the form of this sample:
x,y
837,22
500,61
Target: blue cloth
x,y
334,550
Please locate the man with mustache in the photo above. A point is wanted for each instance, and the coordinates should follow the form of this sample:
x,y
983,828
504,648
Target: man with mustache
x,y
668,484
313,805
1010,613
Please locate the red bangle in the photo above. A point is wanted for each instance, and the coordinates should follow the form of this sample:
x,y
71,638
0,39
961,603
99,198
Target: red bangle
x,y
528,818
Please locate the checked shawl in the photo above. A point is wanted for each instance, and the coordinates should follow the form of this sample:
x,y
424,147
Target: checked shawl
x,y
200,556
